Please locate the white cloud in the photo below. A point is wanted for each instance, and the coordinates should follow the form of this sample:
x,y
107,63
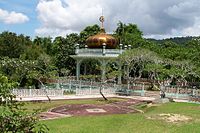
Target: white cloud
x,y
12,17
155,18
193,30
59,18
53,32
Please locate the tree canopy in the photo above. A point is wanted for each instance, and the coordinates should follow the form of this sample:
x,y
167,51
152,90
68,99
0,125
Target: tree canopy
x,y
28,61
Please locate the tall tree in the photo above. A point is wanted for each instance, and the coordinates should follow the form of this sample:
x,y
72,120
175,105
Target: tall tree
x,y
129,34
12,45
88,31
45,43
62,49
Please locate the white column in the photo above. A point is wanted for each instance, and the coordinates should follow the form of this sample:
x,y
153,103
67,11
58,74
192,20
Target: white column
x,y
78,63
103,76
121,48
127,72
85,69
143,91
104,49
120,74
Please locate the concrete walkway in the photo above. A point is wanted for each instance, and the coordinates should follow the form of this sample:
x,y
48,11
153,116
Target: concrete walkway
x,y
78,97
71,97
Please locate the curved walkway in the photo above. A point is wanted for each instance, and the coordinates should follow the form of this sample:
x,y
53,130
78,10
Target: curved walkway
x,y
68,97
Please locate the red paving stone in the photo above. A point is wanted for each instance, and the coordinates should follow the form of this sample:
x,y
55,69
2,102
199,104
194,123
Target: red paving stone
x,y
122,107
51,115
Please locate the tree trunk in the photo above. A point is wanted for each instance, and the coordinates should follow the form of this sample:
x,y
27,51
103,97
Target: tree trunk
x,y
49,99
102,94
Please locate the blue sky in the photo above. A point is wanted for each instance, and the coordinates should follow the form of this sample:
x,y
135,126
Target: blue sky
x,y
26,7
155,18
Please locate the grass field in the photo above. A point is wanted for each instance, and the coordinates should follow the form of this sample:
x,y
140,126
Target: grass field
x,y
125,123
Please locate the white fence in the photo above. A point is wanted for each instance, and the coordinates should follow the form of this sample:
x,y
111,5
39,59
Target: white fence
x,y
37,92
82,87
181,92
79,88
95,91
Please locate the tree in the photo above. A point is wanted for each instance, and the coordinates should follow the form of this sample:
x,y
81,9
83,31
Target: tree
x,y
129,34
87,32
32,52
12,45
62,49
13,117
185,68
136,59
28,72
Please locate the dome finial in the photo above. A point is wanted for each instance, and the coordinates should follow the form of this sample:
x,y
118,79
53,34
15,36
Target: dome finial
x,y
101,19
99,40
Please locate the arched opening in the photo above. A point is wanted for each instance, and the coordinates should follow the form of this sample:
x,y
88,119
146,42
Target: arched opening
x,y
98,69
90,69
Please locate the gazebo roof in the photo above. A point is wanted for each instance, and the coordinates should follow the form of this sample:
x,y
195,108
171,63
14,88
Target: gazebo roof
x,y
99,39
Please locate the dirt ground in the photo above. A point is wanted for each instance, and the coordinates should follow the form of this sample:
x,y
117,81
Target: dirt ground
x,y
171,118
121,107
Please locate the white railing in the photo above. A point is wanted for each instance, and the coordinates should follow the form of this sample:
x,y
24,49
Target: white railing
x,y
95,90
82,87
100,51
78,87
113,51
90,51
181,92
37,92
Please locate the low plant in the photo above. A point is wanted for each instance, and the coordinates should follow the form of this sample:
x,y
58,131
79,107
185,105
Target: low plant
x,y
13,117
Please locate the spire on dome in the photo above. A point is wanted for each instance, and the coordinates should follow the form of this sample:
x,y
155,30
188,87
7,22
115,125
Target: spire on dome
x,y
98,40
102,19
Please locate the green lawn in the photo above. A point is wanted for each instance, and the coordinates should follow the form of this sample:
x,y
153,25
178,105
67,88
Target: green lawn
x,y
127,123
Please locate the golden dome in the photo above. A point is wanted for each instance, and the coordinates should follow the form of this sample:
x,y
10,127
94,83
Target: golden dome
x,y
97,41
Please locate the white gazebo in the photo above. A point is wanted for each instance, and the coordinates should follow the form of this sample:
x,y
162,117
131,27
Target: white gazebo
x,y
100,47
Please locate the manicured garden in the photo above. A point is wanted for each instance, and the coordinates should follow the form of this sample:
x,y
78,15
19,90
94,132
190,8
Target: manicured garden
x,y
151,120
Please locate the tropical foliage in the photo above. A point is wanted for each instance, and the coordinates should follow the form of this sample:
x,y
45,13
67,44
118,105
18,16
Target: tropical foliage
x,y
29,62
14,118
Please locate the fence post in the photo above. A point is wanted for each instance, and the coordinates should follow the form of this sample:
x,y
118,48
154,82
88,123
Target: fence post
x,y
76,90
128,85
193,92
62,91
30,92
70,85
142,94
177,92
114,89
58,85
90,87
80,87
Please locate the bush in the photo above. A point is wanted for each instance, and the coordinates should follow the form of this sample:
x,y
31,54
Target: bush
x,y
13,117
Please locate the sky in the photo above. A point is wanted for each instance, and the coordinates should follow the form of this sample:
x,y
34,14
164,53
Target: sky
x,y
155,18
